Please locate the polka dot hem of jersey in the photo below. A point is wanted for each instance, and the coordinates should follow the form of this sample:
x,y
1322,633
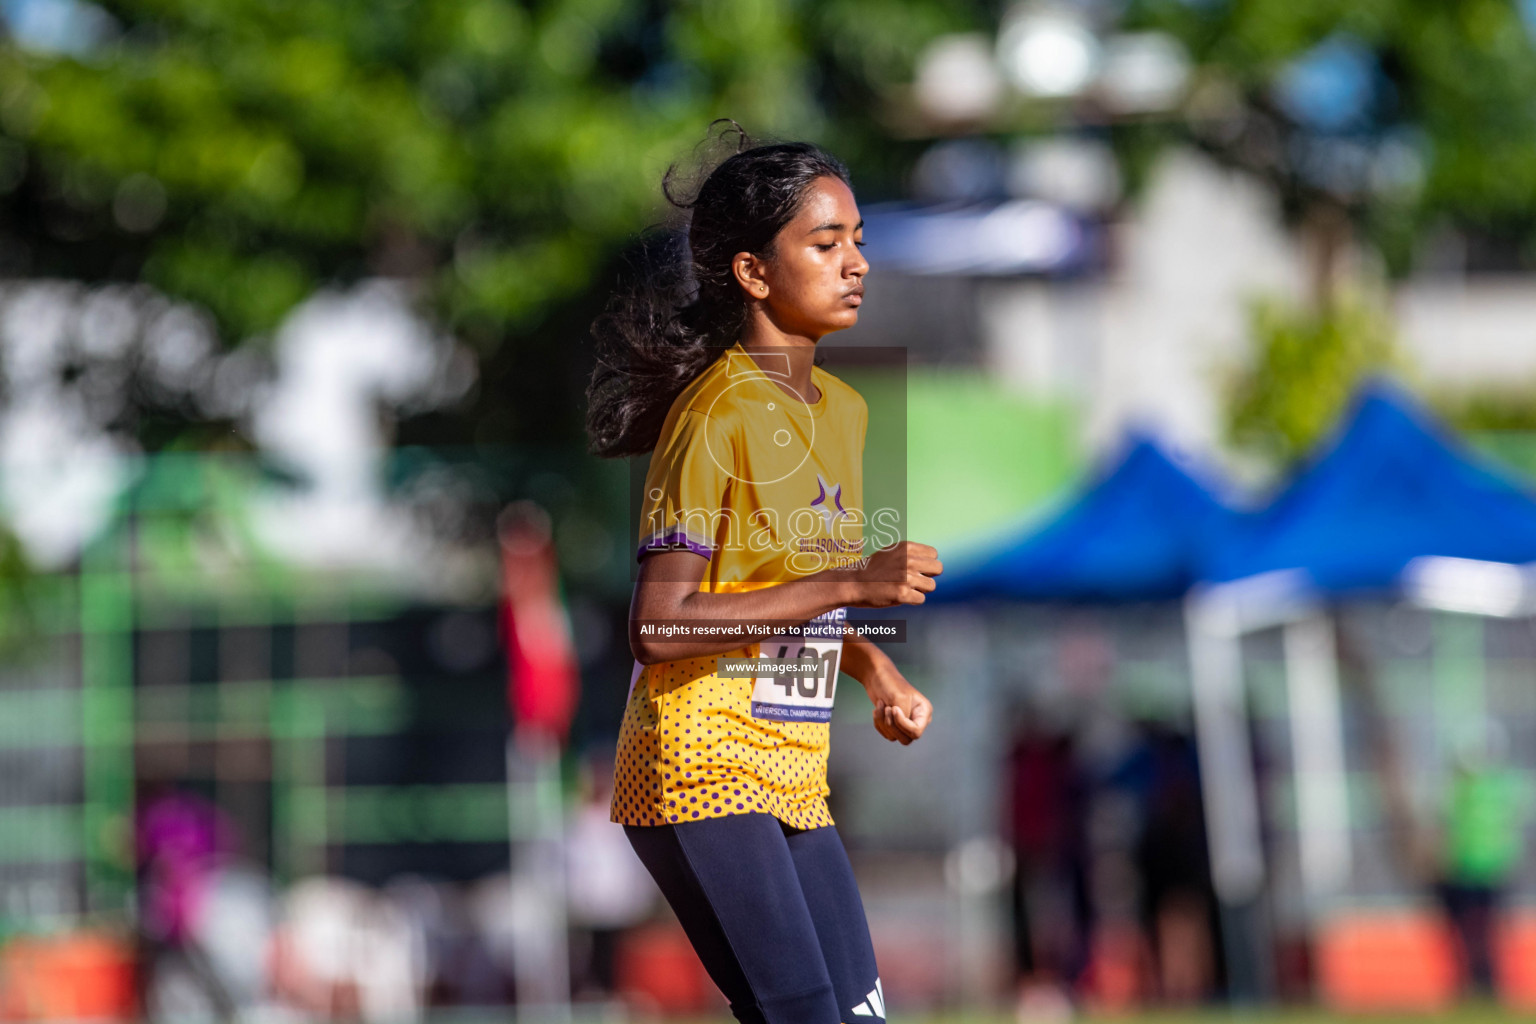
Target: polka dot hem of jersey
x,y
689,749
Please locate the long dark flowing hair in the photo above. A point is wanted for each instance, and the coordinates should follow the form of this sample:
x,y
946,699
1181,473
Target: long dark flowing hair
x,y
685,307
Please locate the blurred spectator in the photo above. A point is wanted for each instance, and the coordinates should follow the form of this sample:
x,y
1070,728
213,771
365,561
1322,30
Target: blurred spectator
x,y
235,928
182,841
610,890
489,903
1178,897
1118,977
459,968
1484,843
1049,898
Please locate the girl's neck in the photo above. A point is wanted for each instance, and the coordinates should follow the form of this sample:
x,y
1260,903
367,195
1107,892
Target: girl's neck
x,y
785,358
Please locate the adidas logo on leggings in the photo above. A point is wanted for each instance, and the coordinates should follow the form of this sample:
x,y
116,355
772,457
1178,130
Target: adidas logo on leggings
x,y
873,1004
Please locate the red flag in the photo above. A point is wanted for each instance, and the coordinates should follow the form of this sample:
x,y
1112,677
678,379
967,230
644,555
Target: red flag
x,y
542,681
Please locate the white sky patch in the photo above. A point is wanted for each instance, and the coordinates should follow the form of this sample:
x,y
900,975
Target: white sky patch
x,y
59,473
57,26
60,476
341,359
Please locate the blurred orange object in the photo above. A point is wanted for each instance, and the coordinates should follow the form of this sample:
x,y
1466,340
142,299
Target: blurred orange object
x,y
1387,960
84,976
656,966
1118,977
1517,960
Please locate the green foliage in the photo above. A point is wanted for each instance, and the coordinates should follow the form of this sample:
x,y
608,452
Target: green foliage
x,y
1451,133
241,153
19,619
493,146
1306,365
1508,408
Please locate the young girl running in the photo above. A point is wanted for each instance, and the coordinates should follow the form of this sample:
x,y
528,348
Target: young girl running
x,y
752,514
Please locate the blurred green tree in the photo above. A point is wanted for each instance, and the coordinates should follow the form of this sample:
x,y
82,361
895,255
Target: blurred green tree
x,y
1394,119
1409,125
1307,363
241,153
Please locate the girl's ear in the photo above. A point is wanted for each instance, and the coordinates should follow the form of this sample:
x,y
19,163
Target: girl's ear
x,y
750,271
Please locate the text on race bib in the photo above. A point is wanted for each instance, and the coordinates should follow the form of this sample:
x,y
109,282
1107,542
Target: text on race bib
x,y
803,697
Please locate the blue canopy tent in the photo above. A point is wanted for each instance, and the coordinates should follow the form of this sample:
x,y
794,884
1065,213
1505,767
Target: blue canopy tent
x,y
1392,487
1134,534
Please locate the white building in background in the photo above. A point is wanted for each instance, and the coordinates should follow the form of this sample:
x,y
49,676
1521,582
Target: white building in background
x,y
1143,332
1202,245
1475,331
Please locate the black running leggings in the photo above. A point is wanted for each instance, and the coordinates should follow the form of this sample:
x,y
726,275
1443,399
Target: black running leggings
x,y
773,913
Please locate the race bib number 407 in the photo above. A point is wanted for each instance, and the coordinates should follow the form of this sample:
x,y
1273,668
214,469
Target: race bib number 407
x,y
805,697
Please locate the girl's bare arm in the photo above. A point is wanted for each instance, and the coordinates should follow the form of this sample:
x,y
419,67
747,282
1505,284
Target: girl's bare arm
x,y
667,594
901,712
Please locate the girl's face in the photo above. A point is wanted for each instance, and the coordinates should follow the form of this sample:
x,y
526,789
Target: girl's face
x,y
814,283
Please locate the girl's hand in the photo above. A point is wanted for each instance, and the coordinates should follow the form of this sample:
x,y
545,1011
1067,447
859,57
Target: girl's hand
x,y
901,712
899,574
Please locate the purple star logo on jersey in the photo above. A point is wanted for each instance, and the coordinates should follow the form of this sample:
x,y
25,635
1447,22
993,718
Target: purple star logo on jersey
x,y
822,505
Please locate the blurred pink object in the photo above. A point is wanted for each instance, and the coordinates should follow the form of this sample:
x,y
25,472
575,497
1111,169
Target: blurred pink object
x,y
182,841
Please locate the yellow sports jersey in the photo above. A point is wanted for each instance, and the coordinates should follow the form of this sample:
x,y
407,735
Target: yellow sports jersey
x,y
768,487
